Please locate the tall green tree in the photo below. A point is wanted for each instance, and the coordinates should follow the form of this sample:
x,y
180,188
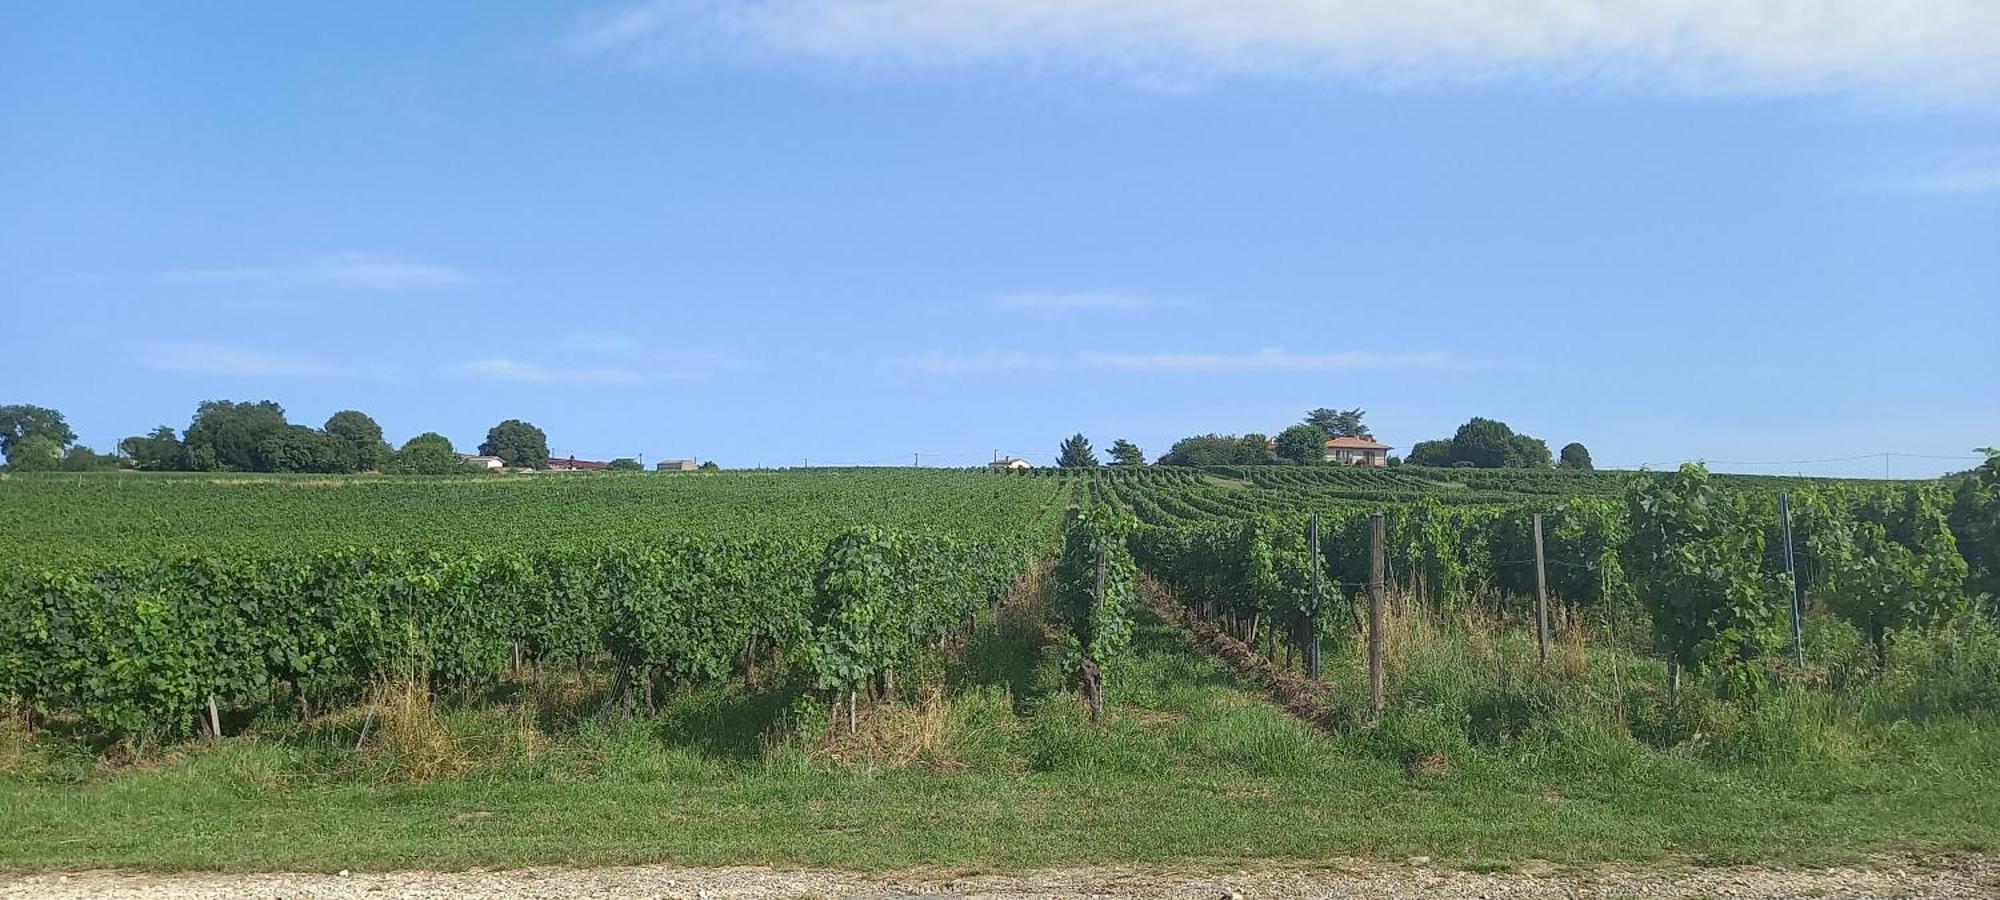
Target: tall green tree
x,y
297,448
79,458
363,437
429,453
1254,449
22,420
1076,453
1340,422
225,434
625,464
158,449
1430,453
1574,456
518,444
1486,444
33,453
1304,444
1126,453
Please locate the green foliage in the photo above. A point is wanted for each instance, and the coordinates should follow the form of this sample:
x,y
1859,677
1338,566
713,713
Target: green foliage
x,y
157,450
1218,450
1696,557
1099,621
21,420
1575,456
1975,523
33,453
1484,444
518,444
1076,453
79,458
362,437
429,453
1302,444
296,448
625,464
1334,423
1126,453
228,435
1887,563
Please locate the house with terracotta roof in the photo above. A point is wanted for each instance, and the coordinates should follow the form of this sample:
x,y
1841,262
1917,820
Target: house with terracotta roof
x,y
1356,451
573,464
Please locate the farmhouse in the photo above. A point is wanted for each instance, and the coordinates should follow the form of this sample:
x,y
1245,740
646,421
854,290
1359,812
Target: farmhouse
x,y
675,465
1009,462
489,463
1356,451
573,464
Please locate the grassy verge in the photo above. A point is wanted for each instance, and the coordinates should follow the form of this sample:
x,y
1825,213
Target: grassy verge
x,y
1007,774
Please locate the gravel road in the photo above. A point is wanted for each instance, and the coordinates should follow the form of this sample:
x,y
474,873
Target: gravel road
x,y
1964,877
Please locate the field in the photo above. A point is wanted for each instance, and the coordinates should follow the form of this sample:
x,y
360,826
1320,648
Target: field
x,y
886,669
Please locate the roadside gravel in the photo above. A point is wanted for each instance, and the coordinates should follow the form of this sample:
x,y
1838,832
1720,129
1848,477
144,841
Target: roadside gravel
x,y
1949,879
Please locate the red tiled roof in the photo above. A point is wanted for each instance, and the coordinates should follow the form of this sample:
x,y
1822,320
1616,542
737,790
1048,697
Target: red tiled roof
x,y
574,463
1355,443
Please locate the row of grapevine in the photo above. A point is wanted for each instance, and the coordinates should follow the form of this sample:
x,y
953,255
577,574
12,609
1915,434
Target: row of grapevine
x,y
1096,580
142,645
1701,555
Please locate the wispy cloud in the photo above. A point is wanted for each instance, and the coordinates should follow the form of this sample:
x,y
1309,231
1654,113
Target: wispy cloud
x,y
1976,173
1936,49
351,270
939,362
983,362
1271,359
242,362
1066,302
502,369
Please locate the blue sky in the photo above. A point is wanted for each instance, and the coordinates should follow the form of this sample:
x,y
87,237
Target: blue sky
x,y
770,232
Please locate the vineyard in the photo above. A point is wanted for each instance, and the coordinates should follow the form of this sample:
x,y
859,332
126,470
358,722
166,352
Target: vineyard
x,y
1108,624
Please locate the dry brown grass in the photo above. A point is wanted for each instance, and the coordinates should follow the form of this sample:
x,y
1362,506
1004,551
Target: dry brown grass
x,y
409,734
893,735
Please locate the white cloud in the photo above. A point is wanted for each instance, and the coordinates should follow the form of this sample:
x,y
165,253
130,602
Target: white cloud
x,y
1977,173
1270,359
501,369
974,363
1941,49
1063,302
353,270
241,362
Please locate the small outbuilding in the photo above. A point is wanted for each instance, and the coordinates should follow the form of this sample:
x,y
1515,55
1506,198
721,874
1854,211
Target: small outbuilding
x,y
675,465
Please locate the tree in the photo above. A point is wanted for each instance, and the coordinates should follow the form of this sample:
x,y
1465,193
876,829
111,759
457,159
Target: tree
x,y
1486,444
625,464
710,466
363,437
1430,453
22,420
518,444
1254,449
297,448
1076,453
33,453
1575,456
1339,422
79,458
1303,444
429,453
1219,450
226,434
1126,453
159,449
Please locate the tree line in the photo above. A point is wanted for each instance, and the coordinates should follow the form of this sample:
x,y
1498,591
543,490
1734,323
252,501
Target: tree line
x,y
1479,443
255,436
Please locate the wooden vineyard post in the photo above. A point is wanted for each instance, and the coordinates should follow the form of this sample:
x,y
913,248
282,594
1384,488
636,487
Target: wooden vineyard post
x,y
1312,621
1378,565
1791,574
1541,598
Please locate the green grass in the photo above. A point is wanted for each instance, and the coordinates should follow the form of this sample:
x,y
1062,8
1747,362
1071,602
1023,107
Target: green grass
x,y
1189,768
